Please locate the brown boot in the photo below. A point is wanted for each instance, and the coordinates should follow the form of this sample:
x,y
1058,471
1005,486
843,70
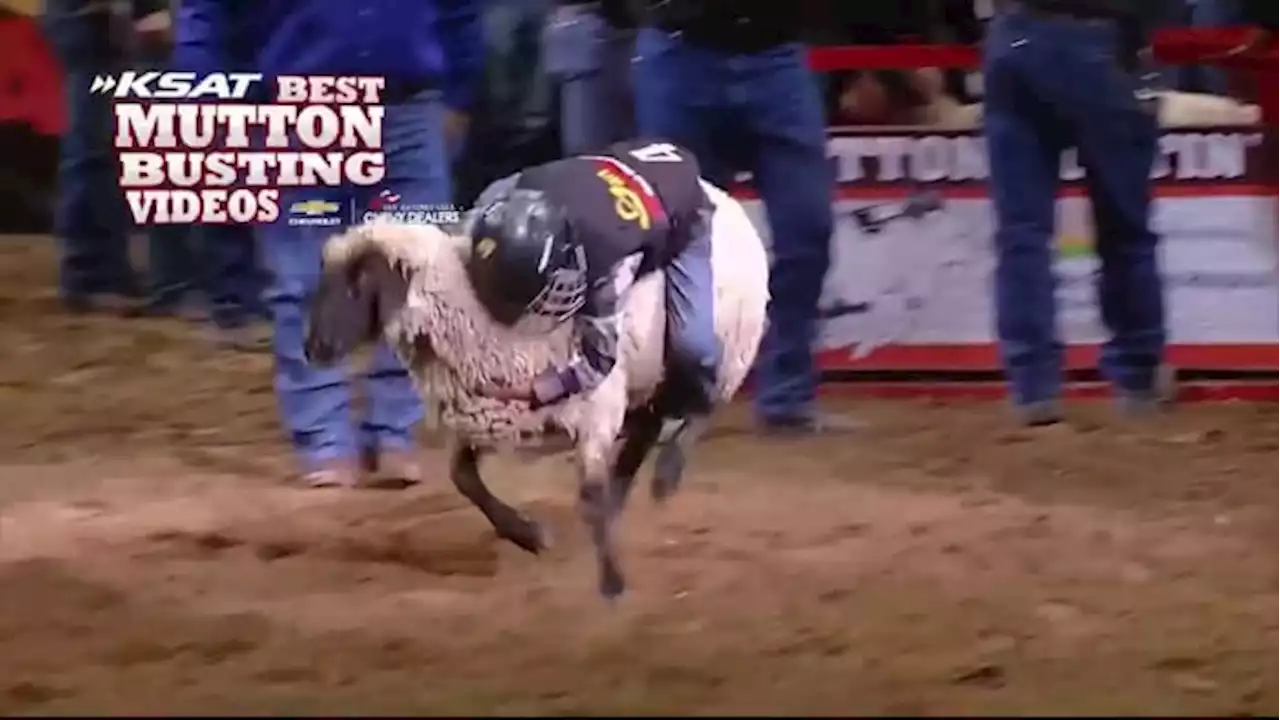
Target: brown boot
x,y
395,469
331,475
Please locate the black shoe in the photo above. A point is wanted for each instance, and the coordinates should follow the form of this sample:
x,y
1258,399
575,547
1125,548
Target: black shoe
x,y
1145,403
78,303
125,287
86,303
809,424
1041,413
178,310
130,288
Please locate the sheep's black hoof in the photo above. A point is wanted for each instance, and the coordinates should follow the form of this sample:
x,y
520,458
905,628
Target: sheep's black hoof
x,y
612,584
526,535
668,472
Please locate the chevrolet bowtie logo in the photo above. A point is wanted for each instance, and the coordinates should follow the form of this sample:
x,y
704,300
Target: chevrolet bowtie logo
x,y
314,207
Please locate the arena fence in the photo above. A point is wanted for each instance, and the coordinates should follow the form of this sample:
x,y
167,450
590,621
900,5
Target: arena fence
x,y
907,304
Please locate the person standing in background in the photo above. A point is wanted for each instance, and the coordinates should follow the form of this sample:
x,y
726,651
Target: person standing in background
x,y
172,265
1192,14
218,261
514,123
431,54
731,82
1213,14
91,220
1057,74
234,283
587,48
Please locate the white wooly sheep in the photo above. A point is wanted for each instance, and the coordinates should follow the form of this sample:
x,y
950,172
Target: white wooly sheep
x,y
1184,109
1173,110
452,348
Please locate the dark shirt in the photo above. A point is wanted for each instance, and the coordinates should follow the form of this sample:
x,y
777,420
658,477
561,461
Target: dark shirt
x,y
1261,13
412,43
1114,9
1133,19
621,14
733,25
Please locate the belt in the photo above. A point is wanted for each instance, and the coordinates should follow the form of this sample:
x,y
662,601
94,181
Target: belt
x,y
1080,18
729,36
617,14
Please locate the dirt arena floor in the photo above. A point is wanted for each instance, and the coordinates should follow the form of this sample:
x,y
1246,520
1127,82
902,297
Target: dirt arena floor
x,y
939,561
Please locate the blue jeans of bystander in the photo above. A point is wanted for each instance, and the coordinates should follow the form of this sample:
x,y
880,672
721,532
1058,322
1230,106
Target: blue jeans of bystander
x,y
1051,84
759,112
314,401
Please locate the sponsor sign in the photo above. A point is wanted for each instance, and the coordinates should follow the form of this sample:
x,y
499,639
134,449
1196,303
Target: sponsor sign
x,y
912,260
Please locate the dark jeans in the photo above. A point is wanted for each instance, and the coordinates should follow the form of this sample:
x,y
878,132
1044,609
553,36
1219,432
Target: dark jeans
x,y
217,260
91,220
513,126
591,61
759,112
172,266
1052,84
234,282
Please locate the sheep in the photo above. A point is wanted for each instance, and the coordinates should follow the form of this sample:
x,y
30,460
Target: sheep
x,y
939,110
408,284
1173,110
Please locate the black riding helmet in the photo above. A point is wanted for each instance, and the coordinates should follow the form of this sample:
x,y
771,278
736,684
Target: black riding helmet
x,y
524,263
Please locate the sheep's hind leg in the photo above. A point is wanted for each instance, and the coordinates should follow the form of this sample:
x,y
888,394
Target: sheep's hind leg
x,y
507,522
640,432
679,438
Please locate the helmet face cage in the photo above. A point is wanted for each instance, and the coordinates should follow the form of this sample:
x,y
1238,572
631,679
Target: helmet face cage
x,y
564,293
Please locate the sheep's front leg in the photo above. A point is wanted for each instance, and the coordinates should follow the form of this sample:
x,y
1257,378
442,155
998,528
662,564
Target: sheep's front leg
x,y
596,505
599,427
507,522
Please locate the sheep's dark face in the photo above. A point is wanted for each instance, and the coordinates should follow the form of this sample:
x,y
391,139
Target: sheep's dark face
x,y
351,306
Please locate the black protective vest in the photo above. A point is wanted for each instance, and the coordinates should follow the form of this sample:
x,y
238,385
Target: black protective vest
x,y
636,196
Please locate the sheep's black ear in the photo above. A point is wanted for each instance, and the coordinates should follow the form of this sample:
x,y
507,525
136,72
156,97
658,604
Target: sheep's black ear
x,y
385,287
337,319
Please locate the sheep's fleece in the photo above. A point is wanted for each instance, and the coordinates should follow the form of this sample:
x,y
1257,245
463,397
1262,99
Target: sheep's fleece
x,y
468,350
